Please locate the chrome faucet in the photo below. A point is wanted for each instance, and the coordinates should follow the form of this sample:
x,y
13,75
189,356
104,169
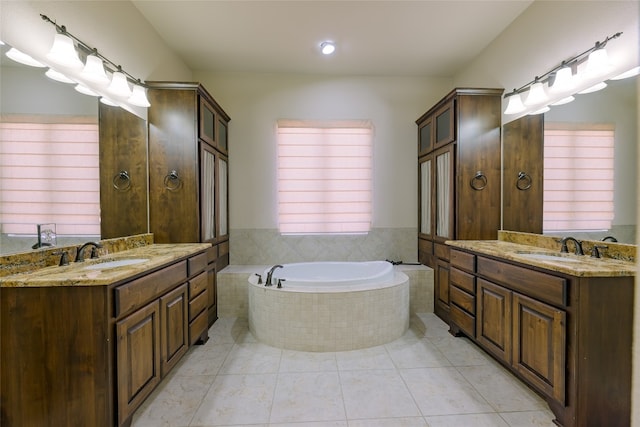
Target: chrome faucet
x,y
94,252
576,243
270,274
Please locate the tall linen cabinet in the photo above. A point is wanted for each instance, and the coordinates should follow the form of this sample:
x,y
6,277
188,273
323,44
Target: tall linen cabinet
x,y
188,172
459,181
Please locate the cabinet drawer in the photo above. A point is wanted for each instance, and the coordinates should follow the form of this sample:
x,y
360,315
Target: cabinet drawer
x,y
465,321
462,299
425,246
212,254
197,284
198,327
197,263
463,260
441,251
463,280
138,292
198,304
542,286
223,248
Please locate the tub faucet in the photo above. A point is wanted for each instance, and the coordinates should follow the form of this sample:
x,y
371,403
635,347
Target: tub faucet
x,y
577,244
94,252
270,274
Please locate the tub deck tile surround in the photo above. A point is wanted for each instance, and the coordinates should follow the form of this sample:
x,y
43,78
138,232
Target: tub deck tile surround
x,y
233,300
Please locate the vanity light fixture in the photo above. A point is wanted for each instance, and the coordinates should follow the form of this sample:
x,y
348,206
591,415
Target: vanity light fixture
x,y
23,58
57,76
327,48
578,74
92,76
63,52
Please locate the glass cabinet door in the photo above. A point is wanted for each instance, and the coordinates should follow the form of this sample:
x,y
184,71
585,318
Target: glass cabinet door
x,y
222,136
444,125
207,131
425,196
208,198
425,137
444,192
223,198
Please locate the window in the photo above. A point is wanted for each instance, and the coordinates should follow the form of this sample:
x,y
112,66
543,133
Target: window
x,y
324,176
578,177
49,174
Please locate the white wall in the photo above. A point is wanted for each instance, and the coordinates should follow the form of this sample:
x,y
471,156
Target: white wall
x,y
256,101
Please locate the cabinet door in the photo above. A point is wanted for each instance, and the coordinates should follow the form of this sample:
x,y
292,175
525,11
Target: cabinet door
x,y
425,136
523,174
207,128
444,193
173,330
425,197
223,142
208,193
223,198
212,306
444,124
493,315
138,358
539,344
441,289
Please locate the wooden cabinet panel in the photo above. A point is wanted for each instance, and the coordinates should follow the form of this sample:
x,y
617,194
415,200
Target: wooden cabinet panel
x,y
198,304
173,332
493,328
546,287
462,299
197,263
441,287
523,171
463,260
444,121
123,173
462,320
463,280
425,136
138,358
138,292
539,345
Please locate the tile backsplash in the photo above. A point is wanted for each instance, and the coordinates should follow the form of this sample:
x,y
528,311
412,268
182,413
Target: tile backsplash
x,y
268,246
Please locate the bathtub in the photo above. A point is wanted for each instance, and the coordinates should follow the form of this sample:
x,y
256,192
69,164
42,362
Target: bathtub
x,y
330,306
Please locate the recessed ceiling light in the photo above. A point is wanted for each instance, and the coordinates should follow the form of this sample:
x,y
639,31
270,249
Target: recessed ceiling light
x,y
327,48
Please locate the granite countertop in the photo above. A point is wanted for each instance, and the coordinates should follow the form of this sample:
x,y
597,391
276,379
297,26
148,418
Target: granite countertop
x,y
575,265
78,274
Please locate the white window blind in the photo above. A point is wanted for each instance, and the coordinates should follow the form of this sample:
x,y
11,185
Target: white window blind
x,y
324,176
49,173
578,177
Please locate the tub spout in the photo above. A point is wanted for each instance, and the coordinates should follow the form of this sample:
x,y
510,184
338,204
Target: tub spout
x,y
270,274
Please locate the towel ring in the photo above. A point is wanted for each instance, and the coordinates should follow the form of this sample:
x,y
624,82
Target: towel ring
x,y
524,181
172,181
122,181
479,181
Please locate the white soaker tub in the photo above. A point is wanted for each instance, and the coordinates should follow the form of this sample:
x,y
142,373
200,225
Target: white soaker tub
x,y
330,306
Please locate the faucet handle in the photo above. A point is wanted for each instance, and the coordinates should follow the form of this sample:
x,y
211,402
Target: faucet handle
x,y
595,250
259,278
280,283
64,258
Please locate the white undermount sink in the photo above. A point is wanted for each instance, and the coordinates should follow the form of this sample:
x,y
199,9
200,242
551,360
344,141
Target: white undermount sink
x,y
547,257
115,263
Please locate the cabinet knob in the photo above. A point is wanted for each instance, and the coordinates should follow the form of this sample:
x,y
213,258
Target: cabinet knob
x,y
172,181
122,181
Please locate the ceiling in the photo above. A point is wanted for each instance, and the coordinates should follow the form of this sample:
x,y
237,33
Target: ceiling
x,y
423,38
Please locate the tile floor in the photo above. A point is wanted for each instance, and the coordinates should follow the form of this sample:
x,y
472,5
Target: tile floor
x,y
427,378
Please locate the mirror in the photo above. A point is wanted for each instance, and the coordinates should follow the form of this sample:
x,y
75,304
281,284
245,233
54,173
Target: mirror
x,y
56,185
615,105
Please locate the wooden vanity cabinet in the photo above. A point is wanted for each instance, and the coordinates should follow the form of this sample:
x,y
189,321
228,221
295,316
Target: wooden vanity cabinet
x,y
90,355
459,159
567,337
188,173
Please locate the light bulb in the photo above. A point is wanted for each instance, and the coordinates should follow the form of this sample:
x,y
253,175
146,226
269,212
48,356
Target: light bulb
x,y
537,95
514,105
63,52
596,87
57,76
94,71
85,90
327,48
23,58
119,86
563,101
139,97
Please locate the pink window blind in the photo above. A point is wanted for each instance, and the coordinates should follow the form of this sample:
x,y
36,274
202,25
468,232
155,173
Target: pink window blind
x,y
49,173
578,177
324,177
